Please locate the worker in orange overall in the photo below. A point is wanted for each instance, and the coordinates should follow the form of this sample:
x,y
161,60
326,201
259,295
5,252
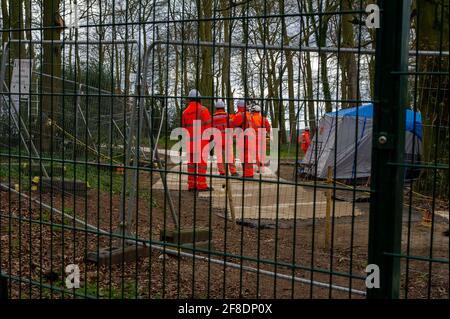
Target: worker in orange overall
x,y
221,122
305,140
196,119
243,119
261,126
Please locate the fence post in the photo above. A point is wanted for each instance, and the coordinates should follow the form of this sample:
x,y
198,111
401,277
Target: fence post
x,y
387,177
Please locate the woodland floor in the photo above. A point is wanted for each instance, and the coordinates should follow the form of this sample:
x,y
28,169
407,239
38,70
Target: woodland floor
x,y
36,250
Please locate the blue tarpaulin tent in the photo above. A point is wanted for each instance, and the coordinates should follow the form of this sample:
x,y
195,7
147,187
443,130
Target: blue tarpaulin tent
x,y
340,134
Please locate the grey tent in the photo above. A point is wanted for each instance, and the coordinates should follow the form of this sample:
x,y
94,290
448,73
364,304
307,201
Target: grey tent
x,y
341,142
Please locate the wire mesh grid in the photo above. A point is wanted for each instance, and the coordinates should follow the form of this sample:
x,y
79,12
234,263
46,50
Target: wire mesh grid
x,y
95,188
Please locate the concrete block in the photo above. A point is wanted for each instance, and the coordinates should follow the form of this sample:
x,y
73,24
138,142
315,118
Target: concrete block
x,y
117,255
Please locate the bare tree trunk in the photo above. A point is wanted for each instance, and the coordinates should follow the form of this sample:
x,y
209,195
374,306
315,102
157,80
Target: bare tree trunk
x,y
310,93
320,31
433,31
305,93
226,89
271,93
322,37
177,79
28,20
51,101
159,58
244,62
184,64
5,18
278,106
16,18
348,65
290,72
5,34
206,78
118,70
308,85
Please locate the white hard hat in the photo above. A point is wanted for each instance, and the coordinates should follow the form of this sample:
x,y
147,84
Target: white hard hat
x,y
194,94
256,108
220,104
241,103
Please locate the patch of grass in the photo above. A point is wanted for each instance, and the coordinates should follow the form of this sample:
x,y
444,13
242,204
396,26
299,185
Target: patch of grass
x,y
146,195
288,151
15,173
66,222
68,210
46,217
102,179
166,143
98,178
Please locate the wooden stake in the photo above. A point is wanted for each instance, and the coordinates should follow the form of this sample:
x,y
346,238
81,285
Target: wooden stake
x,y
230,199
227,185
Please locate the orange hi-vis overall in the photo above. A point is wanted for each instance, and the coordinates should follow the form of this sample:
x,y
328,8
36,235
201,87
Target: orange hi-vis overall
x,y
221,122
243,119
196,162
260,122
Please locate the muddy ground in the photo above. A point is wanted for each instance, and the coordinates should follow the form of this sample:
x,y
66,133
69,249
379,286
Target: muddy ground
x,y
35,250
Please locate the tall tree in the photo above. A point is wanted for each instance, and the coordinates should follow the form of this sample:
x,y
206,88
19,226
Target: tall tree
x,y
433,34
320,32
310,108
310,92
227,27
16,19
28,26
5,20
290,72
348,64
206,85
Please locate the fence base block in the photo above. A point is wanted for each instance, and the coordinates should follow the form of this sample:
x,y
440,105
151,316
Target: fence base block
x,y
117,255
68,185
36,170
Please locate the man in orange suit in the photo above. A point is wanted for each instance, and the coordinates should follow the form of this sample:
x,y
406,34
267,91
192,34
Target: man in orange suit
x,y
196,119
243,120
259,122
221,122
305,140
